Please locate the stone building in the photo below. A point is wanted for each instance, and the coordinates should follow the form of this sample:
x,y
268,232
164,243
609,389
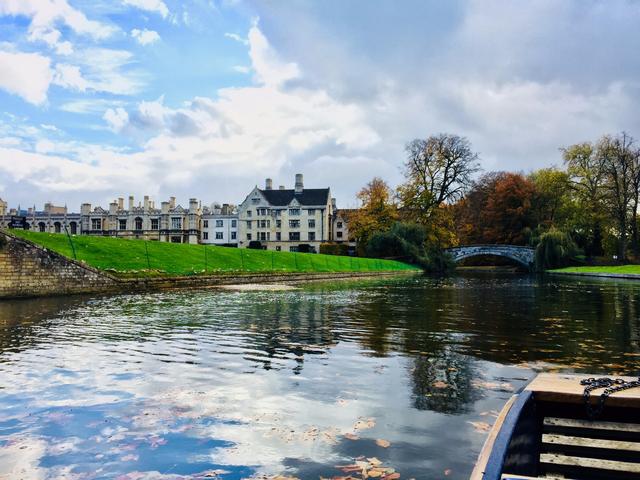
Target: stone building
x,y
169,223
340,228
52,219
285,219
220,225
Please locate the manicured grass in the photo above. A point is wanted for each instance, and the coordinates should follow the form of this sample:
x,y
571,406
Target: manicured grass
x,y
619,269
142,258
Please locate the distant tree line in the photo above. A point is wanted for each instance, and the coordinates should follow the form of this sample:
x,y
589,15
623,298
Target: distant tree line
x,y
587,207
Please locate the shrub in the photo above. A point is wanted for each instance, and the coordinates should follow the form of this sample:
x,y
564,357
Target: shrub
x,y
556,249
404,240
334,249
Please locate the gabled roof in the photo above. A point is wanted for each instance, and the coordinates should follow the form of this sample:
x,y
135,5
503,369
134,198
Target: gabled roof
x,y
308,196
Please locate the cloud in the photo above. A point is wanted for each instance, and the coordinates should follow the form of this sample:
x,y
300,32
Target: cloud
x,y
241,69
112,71
237,38
69,76
157,6
145,37
27,75
90,105
44,14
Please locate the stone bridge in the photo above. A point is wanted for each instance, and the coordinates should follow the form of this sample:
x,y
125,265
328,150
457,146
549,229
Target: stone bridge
x,y
523,255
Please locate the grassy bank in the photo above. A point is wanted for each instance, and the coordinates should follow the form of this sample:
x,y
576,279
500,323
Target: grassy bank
x,y
142,258
614,269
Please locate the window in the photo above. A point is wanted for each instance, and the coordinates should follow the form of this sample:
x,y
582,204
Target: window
x,y
294,236
138,223
312,236
219,223
294,211
233,224
293,249
248,213
255,200
96,224
248,223
312,224
74,228
248,236
265,223
278,236
263,236
219,235
205,224
155,224
278,248
339,224
122,224
57,227
205,235
294,223
277,213
262,211
176,223
311,211
233,235
339,234
42,227
278,223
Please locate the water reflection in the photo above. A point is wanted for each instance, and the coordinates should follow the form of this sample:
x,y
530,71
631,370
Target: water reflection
x,y
234,385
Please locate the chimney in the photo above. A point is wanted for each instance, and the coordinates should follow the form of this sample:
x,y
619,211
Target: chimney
x,y
85,208
146,203
299,183
130,202
112,208
165,207
268,184
281,187
193,205
120,203
172,202
333,203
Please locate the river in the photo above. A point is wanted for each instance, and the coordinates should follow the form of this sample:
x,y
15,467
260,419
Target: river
x,y
402,375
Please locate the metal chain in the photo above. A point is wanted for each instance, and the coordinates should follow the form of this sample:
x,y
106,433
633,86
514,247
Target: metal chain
x,y
611,385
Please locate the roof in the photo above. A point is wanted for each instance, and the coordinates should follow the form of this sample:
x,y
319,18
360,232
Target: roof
x,y
308,196
345,213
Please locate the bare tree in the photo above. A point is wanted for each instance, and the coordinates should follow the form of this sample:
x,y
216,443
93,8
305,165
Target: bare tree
x,y
438,170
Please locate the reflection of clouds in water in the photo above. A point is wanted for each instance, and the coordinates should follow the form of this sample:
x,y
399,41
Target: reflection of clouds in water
x,y
20,456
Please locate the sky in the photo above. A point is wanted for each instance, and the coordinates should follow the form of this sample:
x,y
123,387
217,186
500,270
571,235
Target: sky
x,y
206,98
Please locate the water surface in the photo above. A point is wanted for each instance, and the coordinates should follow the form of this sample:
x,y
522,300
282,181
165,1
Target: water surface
x,y
404,375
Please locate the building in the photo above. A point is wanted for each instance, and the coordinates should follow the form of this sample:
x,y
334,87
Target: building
x,y
220,225
169,223
340,227
285,219
52,219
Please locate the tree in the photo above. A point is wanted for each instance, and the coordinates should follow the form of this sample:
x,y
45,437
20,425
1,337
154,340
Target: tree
x,y
587,182
438,170
377,213
617,157
552,200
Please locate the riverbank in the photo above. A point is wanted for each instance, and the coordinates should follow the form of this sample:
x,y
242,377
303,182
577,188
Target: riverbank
x,y
31,269
612,271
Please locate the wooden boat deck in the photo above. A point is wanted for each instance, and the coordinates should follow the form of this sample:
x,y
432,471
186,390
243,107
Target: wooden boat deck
x,y
562,441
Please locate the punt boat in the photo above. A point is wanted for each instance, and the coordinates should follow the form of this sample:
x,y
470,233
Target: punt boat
x,y
553,430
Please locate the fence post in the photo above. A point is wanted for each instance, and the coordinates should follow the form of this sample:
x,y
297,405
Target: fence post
x,y
146,249
73,248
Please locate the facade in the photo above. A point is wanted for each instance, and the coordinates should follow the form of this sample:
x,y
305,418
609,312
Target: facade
x,y
285,219
220,225
169,223
52,219
340,228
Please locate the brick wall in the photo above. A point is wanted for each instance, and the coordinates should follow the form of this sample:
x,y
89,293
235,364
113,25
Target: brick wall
x,y
27,270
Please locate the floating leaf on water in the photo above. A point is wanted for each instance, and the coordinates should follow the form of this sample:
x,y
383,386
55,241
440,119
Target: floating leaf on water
x,y
351,436
440,384
364,423
383,443
480,426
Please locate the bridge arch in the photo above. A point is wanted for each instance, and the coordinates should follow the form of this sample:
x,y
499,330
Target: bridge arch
x,y
525,256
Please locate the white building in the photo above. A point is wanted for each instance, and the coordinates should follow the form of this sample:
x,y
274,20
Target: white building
x,y
220,226
52,219
285,219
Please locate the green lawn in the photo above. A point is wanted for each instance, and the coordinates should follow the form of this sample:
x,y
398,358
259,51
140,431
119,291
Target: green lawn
x,y
142,258
620,269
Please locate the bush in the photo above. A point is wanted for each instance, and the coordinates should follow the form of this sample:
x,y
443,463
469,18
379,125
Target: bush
x,y
403,240
556,249
334,249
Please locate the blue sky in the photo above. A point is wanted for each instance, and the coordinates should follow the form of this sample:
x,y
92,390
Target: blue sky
x,y
206,98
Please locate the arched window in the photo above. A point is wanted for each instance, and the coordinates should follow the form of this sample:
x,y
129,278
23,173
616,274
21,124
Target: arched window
x,y
73,226
42,227
57,227
138,222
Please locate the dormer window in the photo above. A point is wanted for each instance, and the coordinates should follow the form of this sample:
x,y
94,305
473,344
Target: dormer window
x,y
294,211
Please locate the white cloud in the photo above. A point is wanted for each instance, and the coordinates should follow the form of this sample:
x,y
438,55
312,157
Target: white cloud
x,y
27,75
111,71
45,14
241,69
116,118
237,38
69,76
92,105
145,37
149,5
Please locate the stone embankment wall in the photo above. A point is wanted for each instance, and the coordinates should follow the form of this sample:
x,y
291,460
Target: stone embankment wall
x,y
29,270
